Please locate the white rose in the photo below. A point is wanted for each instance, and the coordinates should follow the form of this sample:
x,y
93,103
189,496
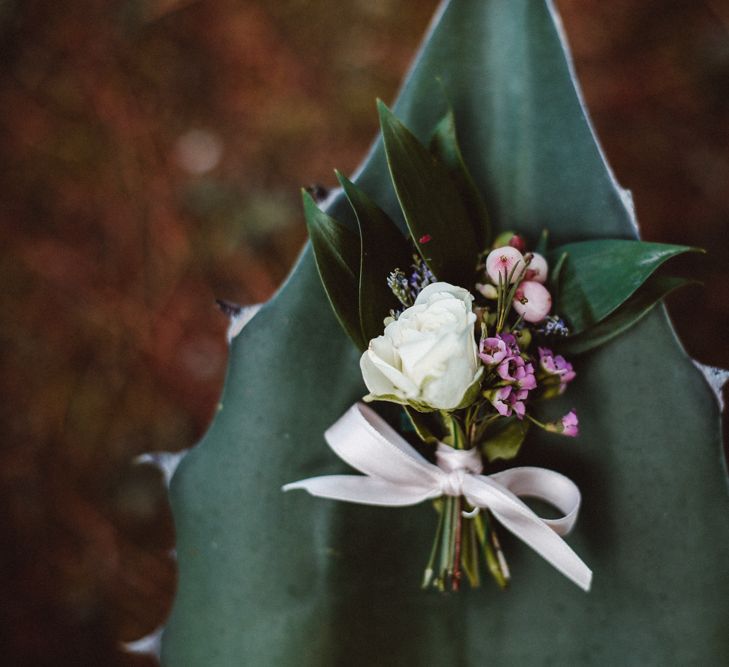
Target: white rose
x,y
426,358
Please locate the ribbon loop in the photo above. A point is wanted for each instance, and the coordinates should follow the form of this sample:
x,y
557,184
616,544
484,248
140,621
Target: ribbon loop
x,y
396,475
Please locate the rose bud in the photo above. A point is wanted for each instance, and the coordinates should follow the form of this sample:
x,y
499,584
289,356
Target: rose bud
x,y
532,301
503,261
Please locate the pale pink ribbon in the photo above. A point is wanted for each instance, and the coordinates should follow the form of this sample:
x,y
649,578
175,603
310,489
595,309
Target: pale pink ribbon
x,y
397,475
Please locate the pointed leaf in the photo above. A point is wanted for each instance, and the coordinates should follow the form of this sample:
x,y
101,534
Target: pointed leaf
x,y
506,442
543,243
444,145
435,214
635,308
337,253
598,276
383,249
425,424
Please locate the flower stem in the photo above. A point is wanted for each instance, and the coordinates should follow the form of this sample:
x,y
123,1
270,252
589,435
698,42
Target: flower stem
x,y
469,559
484,531
536,421
456,582
428,574
445,544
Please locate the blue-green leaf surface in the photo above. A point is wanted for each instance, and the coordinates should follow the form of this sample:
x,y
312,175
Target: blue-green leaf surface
x,y
286,579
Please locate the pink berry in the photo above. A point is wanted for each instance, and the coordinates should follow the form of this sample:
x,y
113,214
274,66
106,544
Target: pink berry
x,y
533,301
502,261
538,269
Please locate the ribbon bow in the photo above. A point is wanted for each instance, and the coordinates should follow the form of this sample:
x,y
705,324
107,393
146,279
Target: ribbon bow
x,y
396,475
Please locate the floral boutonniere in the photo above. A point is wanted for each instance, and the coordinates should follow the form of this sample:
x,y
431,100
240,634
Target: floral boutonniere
x,y
472,334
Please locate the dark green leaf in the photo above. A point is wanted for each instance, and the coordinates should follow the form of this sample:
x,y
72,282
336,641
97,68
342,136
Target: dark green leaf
x,y
543,243
337,253
444,145
426,425
383,249
435,214
639,305
507,441
555,274
598,276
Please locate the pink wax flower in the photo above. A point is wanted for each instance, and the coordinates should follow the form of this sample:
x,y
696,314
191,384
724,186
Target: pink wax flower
x,y
511,344
521,373
556,366
492,351
569,425
508,400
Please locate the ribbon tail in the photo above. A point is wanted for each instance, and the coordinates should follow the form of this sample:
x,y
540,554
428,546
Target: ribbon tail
x,y
516,517
363,490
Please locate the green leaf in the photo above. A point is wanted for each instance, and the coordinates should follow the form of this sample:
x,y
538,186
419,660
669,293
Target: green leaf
x,y
383,249
444,145
598,276
542,243
555,274
267,578
507,441
434,211
635,308
337,253
425,424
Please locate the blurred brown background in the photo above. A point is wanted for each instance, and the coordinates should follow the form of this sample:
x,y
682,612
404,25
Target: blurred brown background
x,y
152,155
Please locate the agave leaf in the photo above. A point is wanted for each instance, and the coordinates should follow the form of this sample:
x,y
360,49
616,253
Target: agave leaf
x,y
598,276
337,253
635,308
267,578
383,249
434,211
444,145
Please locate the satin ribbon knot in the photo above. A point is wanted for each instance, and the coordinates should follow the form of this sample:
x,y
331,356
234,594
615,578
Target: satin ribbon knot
x,y
456,463
452,483
396,475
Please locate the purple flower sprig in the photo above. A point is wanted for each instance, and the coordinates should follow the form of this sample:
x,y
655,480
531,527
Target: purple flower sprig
x,y
513,371
555,372
568,425
407,287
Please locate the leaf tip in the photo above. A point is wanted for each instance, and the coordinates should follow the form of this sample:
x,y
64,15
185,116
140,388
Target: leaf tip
x,y
384,112
343,180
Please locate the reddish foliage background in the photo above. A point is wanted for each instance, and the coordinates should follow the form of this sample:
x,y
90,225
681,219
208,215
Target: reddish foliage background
x,y
152,155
